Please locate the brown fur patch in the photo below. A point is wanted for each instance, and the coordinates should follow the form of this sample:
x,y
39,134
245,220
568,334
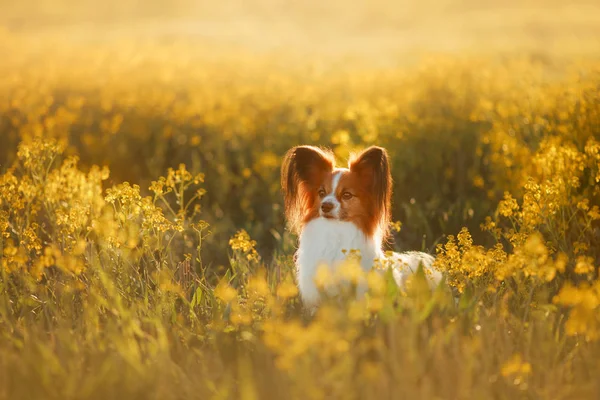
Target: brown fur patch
x,y
372,169
303,170
306,169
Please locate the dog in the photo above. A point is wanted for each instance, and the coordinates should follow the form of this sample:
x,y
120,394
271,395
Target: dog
x,y
338,210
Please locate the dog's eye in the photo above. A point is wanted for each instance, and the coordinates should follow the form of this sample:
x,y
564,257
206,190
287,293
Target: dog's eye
x,y
322,193
347,195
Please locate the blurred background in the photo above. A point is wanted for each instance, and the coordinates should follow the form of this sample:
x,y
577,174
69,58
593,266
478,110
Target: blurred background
x,y
453,89
378,29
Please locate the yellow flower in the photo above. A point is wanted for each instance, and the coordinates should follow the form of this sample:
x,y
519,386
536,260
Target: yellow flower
x,y
323,277
258,286
240,316
396,226
242,242
376,282
516,368
584,265
225,292
287,290
351,271
594,213
508,206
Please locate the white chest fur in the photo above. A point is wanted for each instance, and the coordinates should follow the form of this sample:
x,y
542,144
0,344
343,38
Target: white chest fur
x,y
324,241
327,241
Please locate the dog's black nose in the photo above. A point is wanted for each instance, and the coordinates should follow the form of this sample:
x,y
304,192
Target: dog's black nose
x,y
326,207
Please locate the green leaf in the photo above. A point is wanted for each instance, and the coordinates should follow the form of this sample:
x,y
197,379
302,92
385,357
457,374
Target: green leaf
x,y
197,298
466,299
426,311
392,290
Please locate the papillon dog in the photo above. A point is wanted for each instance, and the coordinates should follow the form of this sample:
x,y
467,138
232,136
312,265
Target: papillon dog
x,y
340,210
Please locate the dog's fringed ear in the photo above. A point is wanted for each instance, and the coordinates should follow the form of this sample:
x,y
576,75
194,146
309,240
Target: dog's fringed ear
x,y
302,171
373,168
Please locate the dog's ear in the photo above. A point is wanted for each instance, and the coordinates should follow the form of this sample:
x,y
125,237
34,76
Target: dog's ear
x,y
302,171
373,168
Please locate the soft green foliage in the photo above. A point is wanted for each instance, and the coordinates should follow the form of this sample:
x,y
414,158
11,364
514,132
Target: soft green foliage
x,y
166,272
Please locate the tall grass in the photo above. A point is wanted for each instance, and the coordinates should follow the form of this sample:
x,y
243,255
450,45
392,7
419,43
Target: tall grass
x,y
166,271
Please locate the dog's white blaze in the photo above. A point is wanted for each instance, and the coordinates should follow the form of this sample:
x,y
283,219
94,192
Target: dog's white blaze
x,y
335,212
336,181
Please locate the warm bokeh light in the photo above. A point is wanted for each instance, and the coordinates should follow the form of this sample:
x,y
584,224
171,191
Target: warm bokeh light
x,y
143,247
376,29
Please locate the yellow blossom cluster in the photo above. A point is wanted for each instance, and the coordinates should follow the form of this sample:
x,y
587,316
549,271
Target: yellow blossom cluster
x,y
118,272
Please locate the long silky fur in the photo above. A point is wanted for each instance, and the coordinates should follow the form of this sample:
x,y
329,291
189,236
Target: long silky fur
x,y
376,159
298,165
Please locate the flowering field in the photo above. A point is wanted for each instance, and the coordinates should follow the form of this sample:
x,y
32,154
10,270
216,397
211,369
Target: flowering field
x,y
144,252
